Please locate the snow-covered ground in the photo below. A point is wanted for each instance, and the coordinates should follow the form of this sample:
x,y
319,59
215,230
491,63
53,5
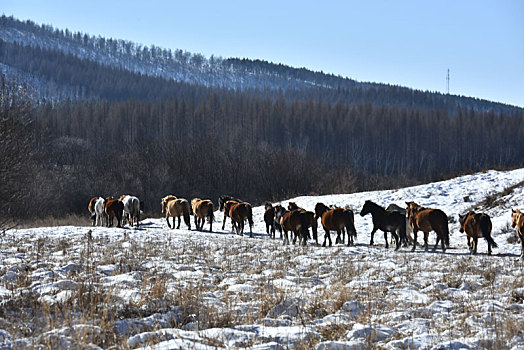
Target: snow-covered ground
x,y
62,287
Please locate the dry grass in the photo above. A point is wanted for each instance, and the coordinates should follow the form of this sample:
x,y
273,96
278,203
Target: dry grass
x,y
153,260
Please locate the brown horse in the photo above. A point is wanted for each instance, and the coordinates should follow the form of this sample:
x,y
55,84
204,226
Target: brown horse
x,y
226,207
91,208
336,220
175,207
426,220
517,221
477,225
222,200
296,222
310,218
202,208
113,208
239,213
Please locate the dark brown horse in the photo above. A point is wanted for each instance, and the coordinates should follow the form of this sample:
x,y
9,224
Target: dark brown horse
x,y
310,218
113,208
269,219
296,222
427,220
221,204
386,221
337,220
239,213
202,208
517,221
477,225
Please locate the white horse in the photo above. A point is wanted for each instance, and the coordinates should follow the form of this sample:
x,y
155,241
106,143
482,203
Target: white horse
x,y
99,211
131,209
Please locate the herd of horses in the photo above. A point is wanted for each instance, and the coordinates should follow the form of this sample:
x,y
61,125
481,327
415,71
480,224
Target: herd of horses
x,y
399,222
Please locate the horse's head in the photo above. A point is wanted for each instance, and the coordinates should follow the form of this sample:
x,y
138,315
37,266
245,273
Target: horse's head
x,y
366,209
279,211
228,205
320,208
268,205
515,216
292,206
462,221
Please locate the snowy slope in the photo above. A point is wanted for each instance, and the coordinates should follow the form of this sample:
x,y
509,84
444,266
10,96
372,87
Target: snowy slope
x,y
171,289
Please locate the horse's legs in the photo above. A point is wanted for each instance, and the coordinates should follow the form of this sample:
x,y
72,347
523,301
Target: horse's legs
x,y
326,237
285,240
179,219
210,223
397,239
224,222
426,236
372,234
414,240
475,243
386,239
522,246
469,243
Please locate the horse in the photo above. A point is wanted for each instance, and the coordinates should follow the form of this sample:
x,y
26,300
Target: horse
x,y
386,221
222,202
426,220
91,208
269,219
113,208
406,240
310,218
239,213
477,225
517,221
296,222
175,207
202,208
336,220
131,209
279,212
99,209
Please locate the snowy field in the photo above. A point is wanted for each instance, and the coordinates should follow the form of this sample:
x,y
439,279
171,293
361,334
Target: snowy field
x,y
158,288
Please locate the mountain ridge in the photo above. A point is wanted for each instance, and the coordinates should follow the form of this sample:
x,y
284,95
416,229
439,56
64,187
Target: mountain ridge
x,y
234,73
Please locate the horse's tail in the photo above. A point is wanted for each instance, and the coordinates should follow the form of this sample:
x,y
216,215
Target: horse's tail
x,y
250,215
485,228
350,222
446,231
210,212
185,213
409,230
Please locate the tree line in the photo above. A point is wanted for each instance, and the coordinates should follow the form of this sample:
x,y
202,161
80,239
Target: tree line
x,y
256,149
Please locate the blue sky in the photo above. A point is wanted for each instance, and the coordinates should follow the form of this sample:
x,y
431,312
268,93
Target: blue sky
x,y
408,43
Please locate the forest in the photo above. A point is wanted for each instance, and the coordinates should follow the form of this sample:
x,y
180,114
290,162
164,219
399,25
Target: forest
x,y
232,143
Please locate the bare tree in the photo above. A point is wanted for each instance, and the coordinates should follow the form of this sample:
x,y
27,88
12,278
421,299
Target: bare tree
x,y
15,148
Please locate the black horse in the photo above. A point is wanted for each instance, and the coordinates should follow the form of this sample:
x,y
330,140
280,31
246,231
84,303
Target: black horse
x,y
406,240
386,221
279,212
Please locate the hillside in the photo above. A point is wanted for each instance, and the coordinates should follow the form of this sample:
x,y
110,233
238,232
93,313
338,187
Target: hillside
x,y
254,76
161,288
